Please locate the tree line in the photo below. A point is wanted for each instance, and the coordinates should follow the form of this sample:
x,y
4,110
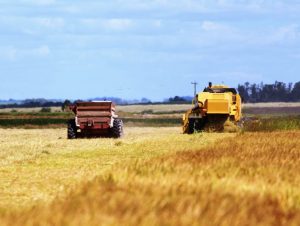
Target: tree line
x,y
32,104
277,92
255,92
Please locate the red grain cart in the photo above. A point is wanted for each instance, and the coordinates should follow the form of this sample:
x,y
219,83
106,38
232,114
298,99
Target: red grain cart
x,y
94,119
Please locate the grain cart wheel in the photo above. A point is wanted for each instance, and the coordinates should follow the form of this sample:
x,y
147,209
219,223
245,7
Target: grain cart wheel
x,y
117,129
72,130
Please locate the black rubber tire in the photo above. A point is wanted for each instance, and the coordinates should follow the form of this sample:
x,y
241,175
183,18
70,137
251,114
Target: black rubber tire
x,y
191,126
72,130
117,129
199,125
195,125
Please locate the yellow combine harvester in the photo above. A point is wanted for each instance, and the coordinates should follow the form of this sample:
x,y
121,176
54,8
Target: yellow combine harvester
x,y
216,108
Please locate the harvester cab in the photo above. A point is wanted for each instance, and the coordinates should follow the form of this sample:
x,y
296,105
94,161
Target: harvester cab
x,y
215,108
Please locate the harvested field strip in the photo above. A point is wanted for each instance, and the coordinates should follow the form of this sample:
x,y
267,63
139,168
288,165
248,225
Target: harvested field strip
x,y
36,165
25,122
251,179
272,111
157,122
251,123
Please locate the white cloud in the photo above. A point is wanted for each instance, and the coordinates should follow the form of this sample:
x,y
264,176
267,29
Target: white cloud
x,y
42,51
189,35
287,33
108,24
72,9
118,24
236,76
50,22
248,36
157,23
12,53
8,53
247,5
40,2
213,26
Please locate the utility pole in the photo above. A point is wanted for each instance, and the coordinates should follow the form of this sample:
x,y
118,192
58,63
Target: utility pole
x,y
195,87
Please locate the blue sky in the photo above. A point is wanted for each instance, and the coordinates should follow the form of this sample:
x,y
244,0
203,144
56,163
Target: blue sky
x,y
144,48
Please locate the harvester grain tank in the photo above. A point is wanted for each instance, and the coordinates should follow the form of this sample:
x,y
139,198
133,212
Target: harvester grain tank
x,y
215,108
94,119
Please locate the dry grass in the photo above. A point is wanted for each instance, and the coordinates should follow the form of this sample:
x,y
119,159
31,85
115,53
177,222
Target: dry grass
x,y
35,109
165,107
125,108
38,165
155,108
249,179
272,104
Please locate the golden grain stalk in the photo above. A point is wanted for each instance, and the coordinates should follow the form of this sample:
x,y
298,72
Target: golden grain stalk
x,y
37,165
244,179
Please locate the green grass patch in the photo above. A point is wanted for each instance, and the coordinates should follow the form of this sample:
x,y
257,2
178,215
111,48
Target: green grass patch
x,y
272,124
151,112
18,122
45,122
36,114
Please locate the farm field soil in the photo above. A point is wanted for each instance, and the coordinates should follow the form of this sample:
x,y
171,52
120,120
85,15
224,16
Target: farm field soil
x,y
36,165
28,110
165,178
164,107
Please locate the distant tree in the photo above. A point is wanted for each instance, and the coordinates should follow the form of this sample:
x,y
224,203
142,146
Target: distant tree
x,y
295,94
267,93
242,89
65,105
254,92
289,89
145,101
279,91
176,99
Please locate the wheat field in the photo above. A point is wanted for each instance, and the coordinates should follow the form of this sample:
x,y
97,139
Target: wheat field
x,y
153,176
36,165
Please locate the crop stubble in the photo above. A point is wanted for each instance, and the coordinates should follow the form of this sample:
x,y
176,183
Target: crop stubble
x,y
160,177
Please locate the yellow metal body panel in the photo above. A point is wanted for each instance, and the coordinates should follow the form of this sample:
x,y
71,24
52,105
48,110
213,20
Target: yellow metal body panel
x,y
215,103
219,86
217,107
221,103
